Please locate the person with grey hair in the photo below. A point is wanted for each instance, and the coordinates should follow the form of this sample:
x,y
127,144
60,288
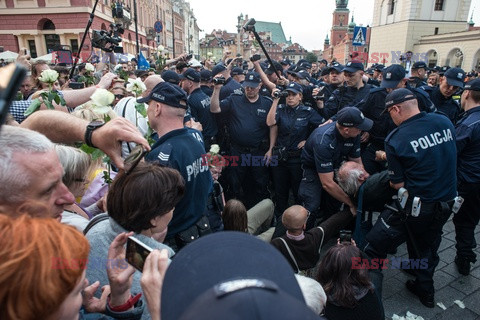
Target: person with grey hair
x,y
76,166
376,190
30,173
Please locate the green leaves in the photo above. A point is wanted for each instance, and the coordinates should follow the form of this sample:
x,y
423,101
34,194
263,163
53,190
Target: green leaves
x,y
36,103
140,107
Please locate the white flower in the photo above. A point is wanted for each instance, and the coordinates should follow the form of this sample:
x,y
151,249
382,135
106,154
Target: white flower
x,y
160,48
214,148
89,67
48,76
102,98
136,85
209,54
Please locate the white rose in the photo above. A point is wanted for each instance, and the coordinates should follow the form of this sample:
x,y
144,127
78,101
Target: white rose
x,y
160,48
136,85
209,54
48,76
89,67
102,98
214,148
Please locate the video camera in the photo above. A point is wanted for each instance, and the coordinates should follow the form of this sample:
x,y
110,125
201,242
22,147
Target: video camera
x,y
280,94
108,41
249,25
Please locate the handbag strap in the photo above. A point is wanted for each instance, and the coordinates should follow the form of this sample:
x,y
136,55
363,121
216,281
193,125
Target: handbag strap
x,y
123,115
95,220
291,254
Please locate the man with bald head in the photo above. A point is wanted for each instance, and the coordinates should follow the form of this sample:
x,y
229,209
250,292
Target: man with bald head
x,y
302,248
126,108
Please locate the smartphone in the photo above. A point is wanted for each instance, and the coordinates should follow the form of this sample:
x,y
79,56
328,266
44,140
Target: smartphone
x,y
11,78
137,253
345,236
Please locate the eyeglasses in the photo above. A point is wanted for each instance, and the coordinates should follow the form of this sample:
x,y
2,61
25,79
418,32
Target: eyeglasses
x,y
132,160
119,96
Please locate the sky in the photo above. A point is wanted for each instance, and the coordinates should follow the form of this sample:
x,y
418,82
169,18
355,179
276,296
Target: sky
x,y
306,21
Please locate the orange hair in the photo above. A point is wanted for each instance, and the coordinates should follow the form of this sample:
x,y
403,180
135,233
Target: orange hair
x,y
33,281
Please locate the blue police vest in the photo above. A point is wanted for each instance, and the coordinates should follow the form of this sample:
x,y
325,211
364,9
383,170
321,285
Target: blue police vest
x,y
421,153
468,146
325,149
183,149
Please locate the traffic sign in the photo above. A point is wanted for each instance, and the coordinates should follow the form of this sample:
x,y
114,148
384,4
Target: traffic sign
x,y
158,26
359,36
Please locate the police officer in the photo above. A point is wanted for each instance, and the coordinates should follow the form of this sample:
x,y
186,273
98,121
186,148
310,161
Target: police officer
x,y
294,122
206,82
417,75
181,148
442,96
354,91
335,80
323,153
421,156
247,115
199,105
468,175
377,75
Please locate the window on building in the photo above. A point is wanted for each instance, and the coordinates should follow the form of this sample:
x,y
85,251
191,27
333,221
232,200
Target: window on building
x,y
74,45
52,41
439,5
436,30
391,7
32,48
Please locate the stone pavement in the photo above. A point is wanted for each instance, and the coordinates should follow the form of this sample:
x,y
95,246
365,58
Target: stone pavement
x,y
449,285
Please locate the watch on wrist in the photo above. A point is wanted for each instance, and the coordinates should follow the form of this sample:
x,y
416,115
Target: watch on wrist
x,y
92,126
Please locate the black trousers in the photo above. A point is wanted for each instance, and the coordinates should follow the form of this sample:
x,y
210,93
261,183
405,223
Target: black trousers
x,y
286,175
466,220
423,232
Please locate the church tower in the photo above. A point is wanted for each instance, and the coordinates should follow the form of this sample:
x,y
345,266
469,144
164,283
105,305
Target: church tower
x,y
340,22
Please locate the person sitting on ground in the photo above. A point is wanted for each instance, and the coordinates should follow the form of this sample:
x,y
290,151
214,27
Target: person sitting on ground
x,y
42,273
254,221
350,294
302,248
141,200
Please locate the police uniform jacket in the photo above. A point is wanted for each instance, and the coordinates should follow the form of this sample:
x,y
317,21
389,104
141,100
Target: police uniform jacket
x,y
199,104
416,82
448,106
207,90
247,121
325,149
230,86
468,146
295,124
421,152
183,149
343,97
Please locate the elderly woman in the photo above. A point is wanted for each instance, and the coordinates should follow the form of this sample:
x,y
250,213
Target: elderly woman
x,y
141,201
77,166
42,273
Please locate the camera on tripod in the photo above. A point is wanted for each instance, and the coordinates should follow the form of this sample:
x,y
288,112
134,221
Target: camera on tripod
x,y
108,41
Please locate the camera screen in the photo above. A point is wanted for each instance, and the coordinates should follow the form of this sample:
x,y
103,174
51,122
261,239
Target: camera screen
x,y
137,253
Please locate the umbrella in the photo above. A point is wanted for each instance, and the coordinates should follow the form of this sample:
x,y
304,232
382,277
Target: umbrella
x,y
48,57
8,55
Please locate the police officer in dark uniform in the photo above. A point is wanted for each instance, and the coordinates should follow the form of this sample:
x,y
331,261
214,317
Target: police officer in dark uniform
x,y
417,75
247,114
354,91
421,156
323,153
199,105
294,122
206,82
442,96
335,80
377,75
468,175
181,148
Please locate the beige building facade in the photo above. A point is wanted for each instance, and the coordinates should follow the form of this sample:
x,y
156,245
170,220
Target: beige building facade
x,y
427,30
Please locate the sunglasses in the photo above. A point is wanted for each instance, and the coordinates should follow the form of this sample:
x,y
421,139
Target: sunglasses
x,y
119,96
134,158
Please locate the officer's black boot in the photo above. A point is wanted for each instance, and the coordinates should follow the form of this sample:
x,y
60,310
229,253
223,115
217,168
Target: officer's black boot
x,y
463,265
427,299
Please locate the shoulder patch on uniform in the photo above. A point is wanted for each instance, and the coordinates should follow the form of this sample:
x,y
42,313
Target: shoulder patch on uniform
x,y
164,153
238,92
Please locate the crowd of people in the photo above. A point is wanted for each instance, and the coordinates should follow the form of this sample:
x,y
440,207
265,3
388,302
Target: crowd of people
x,y
234,175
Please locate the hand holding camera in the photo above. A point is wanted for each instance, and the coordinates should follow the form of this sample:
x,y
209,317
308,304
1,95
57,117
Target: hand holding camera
x,y
219,81
255,57
280,94
319,93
